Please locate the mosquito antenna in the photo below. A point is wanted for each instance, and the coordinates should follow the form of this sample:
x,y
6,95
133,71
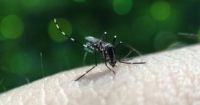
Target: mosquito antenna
x,y
72,39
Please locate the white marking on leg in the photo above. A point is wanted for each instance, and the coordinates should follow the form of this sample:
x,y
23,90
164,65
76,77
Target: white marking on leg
x,y
57,26
84,73
85,45
115,36
55,20
72,39
63,33
105,32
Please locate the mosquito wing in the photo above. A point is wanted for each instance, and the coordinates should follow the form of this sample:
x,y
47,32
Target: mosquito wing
x,y
92,39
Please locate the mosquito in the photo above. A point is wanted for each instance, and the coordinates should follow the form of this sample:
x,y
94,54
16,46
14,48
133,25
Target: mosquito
x,y
106,50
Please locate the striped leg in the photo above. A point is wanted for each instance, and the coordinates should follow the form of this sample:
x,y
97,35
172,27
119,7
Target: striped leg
x,y
91,68
72,39
123,61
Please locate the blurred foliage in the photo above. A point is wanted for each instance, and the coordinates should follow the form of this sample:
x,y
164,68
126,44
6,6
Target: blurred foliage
x,y
27,28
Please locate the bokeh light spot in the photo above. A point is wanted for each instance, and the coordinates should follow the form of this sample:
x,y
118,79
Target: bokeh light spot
x,y
160,10
122,7
55,34
79,0
20,63
164,39
12,27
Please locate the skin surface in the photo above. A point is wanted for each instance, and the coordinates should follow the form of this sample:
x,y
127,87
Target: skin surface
x,y
170,77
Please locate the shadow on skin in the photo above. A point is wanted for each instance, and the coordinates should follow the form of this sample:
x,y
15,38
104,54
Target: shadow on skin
x,y
98,75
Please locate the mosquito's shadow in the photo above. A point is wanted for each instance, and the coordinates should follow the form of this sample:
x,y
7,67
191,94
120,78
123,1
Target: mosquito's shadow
x,y
97,75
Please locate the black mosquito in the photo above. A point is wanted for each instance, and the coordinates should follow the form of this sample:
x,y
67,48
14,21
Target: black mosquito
x,y
106,50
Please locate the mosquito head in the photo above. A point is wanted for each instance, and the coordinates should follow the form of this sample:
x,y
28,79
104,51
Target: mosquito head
x,y
111,53
112,62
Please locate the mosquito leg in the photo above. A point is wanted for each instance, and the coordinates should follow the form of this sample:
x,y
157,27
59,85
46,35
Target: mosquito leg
x,y
85,73
72,39
126,62
120,53
105,36
91,68
133,62
118,45
113,42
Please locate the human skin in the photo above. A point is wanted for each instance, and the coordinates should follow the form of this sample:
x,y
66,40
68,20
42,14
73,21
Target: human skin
x,y
168,78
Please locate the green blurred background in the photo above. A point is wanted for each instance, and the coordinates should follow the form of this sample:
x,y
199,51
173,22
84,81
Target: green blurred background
x,y
27,30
